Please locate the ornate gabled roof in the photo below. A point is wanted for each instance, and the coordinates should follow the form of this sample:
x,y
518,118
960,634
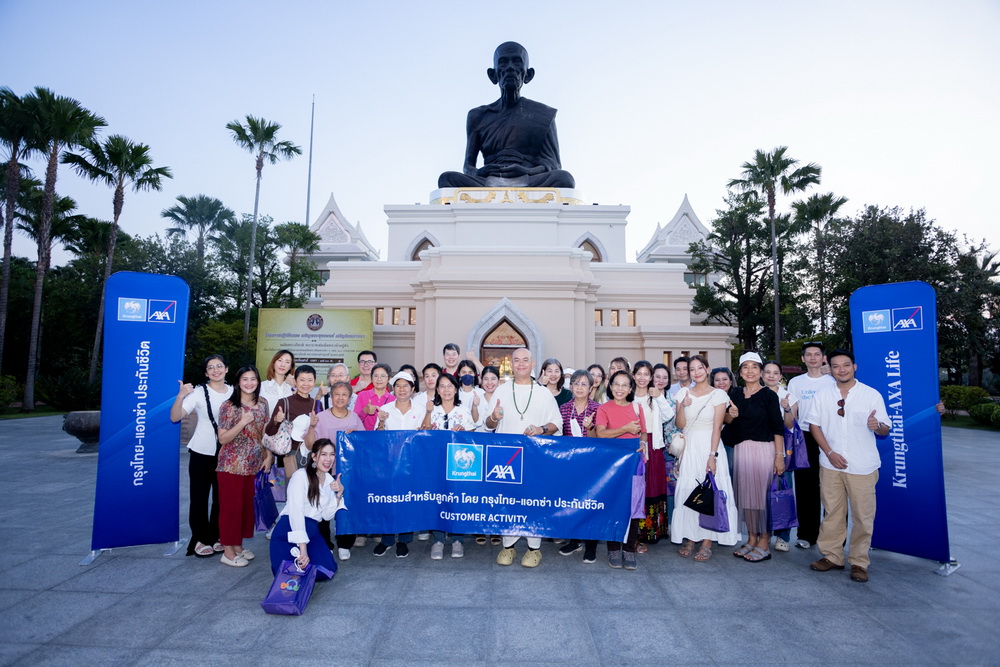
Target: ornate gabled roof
x,y
339,239
670,243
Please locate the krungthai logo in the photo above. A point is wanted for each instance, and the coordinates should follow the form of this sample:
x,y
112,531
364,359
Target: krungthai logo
x,y
465,462
504,464
131,309
876,321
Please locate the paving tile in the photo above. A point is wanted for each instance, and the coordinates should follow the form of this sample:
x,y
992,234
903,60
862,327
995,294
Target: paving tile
x,y
48,614
136,621
40,573
53,654
520,635
119,575
454,635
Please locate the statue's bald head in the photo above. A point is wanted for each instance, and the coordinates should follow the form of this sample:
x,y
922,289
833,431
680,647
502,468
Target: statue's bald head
x,y
510,66
510,48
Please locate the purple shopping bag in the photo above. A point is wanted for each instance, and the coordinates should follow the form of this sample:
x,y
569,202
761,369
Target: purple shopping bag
x,y
781,504
719,520
671,472
292,588
796,455
278,483
265,512
639,491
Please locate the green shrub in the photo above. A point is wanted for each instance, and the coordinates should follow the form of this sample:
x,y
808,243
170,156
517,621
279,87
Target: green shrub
x,y
984,412
69,391
996,416
957,397
10,390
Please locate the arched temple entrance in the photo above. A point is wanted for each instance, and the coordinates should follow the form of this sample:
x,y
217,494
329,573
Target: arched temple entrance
x,y
499,344
501,331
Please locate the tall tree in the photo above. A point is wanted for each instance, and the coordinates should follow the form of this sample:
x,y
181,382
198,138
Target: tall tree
x,y
260,138
121,164
62,226
976,307
766,174
817,211
19,139
296,240
62,123
200,213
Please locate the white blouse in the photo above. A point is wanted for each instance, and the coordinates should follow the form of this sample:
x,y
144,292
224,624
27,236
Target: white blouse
x,y
204,436
298,508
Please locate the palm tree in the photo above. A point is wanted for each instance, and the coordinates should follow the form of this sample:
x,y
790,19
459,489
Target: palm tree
x,y
818,211
62,226
61,123
202,213
765,174
259,137
296,239
120,164
90,239
19,140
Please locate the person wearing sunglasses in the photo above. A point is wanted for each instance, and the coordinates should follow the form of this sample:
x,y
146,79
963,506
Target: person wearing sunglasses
x,y
845,419
803,388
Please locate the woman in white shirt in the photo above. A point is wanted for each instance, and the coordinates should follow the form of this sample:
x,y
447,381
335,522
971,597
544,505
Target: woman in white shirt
x,y
278,382
470,392
314,495
203,450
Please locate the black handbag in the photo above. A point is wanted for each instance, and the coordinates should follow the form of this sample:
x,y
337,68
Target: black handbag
x,y
702,498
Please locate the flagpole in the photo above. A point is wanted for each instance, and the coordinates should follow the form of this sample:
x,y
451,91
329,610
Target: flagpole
x,y
312,121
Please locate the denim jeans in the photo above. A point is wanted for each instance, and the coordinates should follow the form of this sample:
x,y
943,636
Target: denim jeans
x,y
404,538
439,536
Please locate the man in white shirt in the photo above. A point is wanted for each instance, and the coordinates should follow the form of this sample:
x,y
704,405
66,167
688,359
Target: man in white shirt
x,y
844,421
804,388
523,407
681,373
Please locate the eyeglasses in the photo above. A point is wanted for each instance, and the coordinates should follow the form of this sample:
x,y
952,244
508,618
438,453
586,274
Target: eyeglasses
x,y
366,362
840,410
619,385
215,367
581,383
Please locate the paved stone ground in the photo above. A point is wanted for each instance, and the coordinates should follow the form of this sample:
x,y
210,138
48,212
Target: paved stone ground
x,y
134,606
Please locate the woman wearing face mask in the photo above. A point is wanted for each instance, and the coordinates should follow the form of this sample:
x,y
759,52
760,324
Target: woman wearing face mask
x,y
314,495
551,378
298,404
203,450
470,393
370,400
241,427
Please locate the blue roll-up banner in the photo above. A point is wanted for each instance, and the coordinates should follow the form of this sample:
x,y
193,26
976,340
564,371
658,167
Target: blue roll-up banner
x,y
485,483
136,501
894,329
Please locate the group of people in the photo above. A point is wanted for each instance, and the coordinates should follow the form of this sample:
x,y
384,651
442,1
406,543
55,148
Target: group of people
x,y
716,425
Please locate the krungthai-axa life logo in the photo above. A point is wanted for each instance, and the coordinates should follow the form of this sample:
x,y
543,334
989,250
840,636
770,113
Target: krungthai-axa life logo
x,y
465,462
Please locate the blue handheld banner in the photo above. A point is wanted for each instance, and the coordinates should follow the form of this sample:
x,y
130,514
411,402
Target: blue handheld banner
x,y
136,501
485,483
894,329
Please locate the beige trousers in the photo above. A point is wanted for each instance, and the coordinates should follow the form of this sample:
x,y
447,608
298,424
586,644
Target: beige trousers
x,y
837,489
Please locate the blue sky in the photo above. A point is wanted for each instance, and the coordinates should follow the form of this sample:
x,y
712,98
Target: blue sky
x,y
898,101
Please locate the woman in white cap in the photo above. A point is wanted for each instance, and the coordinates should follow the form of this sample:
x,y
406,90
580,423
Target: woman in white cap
x,y
399,415
755,413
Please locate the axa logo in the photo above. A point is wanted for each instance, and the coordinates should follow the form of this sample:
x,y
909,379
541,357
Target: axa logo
x,y
162,311
131,309
908,319
465,462
504,464
876,321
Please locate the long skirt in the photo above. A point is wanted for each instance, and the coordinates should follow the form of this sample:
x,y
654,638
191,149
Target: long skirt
x,y
754,469
656,524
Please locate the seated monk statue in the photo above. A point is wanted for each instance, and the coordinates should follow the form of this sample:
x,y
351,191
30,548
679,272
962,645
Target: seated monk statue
x,y
516,136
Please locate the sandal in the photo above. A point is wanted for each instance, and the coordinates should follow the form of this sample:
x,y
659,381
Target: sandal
x,y
756,555
743,551
686,549
480,539
495,540
203,550
703,555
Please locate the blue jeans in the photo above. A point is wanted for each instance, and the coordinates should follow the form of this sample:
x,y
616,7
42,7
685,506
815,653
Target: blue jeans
x,y
439,535
404,538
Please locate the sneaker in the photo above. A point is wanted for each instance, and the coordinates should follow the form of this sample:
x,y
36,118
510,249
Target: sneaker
x,y
506,556
803,544
630,561
380,549
437,551
590,554
402,551
570,548
239,561
423,537
615,559
780,545
360,540
344,554
457,550
531,558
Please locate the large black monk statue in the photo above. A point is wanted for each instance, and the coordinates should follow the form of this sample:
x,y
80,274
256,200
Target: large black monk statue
x,y
516,136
